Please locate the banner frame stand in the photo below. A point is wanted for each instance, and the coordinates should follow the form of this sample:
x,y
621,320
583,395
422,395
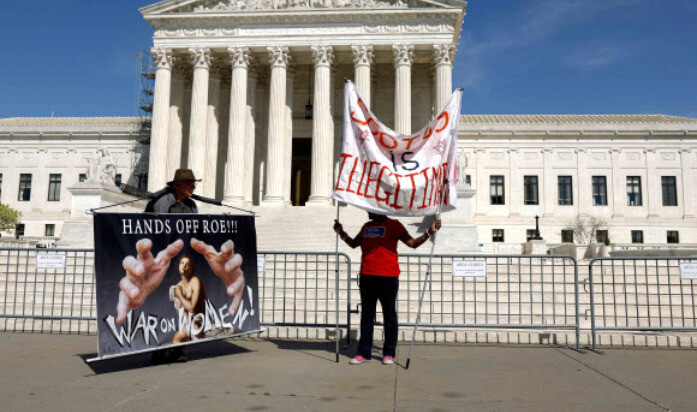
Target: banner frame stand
x,y
180,345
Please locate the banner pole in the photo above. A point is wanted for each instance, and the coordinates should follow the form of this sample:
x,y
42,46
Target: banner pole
x,y
336,277
427,278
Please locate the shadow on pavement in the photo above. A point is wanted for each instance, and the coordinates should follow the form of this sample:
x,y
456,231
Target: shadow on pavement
x,y
311,348
143,360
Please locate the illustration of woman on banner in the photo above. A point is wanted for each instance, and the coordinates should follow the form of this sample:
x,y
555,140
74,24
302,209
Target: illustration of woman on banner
x,y
190,295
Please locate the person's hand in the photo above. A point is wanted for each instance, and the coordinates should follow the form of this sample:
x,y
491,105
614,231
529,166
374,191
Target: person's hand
x,y
338,228
227,265
143,275
435,225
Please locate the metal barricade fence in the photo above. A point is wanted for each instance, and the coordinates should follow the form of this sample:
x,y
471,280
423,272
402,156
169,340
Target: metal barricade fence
x,y
300,289
295,289
59,300
641,294
518,292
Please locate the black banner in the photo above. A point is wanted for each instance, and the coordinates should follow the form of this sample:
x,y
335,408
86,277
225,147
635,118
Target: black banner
x,y
170,279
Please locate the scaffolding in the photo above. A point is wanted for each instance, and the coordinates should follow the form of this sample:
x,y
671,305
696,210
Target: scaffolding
x,y
145,76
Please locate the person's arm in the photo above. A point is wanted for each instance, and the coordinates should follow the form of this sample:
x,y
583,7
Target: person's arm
x,y
352,242
416,242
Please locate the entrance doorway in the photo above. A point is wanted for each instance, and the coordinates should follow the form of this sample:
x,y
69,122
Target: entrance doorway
x,y
300,171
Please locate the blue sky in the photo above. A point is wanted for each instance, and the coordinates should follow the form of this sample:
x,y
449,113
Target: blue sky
x,y
77,58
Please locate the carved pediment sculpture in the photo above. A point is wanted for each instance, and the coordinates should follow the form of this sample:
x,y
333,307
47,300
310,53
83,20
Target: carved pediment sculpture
x,y
235,5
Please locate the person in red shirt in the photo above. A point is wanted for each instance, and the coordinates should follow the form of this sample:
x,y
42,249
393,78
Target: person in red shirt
x,y
379,278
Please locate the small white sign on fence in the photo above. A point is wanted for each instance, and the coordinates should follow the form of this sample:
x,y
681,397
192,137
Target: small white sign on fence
x,y
688,270
469,268
260,264
50,260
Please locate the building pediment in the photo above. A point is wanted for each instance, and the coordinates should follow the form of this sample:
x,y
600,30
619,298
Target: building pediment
x,y
174,7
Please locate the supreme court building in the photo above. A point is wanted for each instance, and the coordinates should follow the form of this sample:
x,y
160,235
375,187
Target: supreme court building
x,y
249,94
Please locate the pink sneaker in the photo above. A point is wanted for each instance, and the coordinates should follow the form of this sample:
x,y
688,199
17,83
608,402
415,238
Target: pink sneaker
x,y
388,360
358,360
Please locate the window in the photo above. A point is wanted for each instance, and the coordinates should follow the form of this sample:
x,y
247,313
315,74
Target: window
x,y
531,190
19,230
670,194
143,182
24,187
496,190
50,230
529,234
634,190
82,177
599,191
468,179
497,235
567,236
673,236
117,179
566,197
637,236
54,187
0,185
600,236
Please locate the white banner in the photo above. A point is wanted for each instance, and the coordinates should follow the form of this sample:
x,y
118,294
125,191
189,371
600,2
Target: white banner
x,y
385,172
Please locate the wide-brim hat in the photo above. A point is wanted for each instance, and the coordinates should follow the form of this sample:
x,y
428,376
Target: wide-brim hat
x,y
184,174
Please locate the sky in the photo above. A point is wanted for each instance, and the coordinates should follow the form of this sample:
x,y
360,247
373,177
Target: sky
x,y
78,58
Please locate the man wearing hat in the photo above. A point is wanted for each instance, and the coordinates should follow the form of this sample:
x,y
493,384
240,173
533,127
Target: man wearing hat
x,y
176,199
178,196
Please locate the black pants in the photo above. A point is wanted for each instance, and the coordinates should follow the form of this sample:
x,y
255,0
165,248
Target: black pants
x,y
374,288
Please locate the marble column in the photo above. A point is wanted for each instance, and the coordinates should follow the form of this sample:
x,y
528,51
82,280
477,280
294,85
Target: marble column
x,y
278,58
160,119
443,55
176,116
362,60
322,128
237,134
403,56
198,123
653,194
481,185
224,110
208,185
251,131
619,187
516,182
289,135
687,184
549,183
585,187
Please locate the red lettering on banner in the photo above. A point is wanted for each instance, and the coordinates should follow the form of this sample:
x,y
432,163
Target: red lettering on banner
x,y
361,122
410,141
350,178
434,185
396,192
428,132
358,191
382,142
367,184
377,187
338,179
377,127
413,189
425,173
361,104
447,120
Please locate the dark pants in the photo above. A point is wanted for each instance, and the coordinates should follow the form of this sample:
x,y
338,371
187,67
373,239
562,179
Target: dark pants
x,y
374,288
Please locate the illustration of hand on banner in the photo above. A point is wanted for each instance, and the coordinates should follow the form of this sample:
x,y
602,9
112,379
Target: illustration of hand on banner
x,y
227,265
143,275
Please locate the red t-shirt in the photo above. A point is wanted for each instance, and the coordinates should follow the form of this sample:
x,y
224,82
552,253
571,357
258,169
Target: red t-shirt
x,y
379,247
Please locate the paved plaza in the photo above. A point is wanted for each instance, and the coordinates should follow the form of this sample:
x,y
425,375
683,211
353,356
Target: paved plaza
x,y
48,372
